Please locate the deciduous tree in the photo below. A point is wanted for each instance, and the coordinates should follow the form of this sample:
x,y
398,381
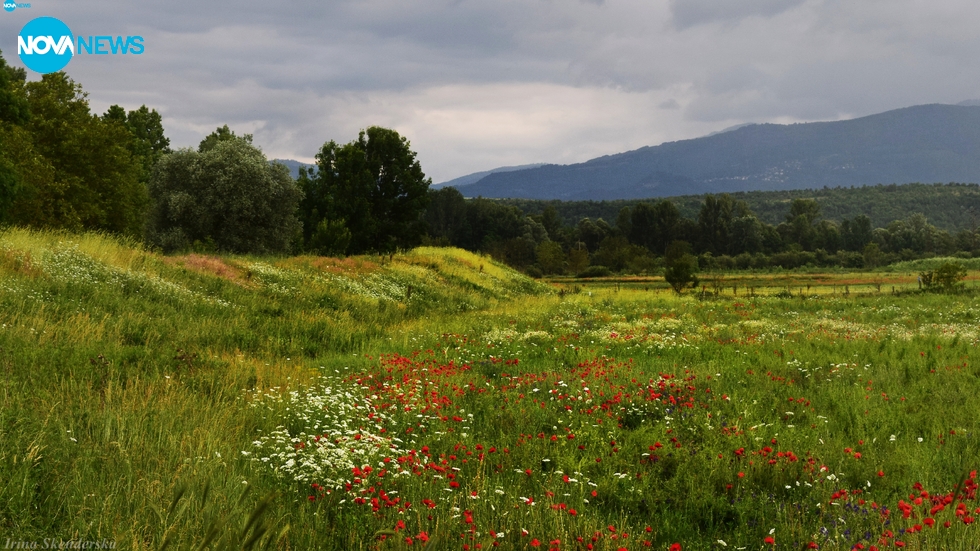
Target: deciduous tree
x,y
374,186
229,195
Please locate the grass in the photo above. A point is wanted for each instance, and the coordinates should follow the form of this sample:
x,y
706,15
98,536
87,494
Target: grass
x,y
203,402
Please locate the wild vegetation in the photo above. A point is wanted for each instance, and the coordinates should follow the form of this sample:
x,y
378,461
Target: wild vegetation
x,y
438,399
63,167
725,234
952,207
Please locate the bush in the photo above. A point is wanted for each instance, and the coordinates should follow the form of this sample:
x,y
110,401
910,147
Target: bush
x,y
681,266
534,271
594,271
945,278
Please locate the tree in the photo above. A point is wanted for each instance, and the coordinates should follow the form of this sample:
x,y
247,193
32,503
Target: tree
x,y
374,186
446,216
800,223
14,108
228,196
148,142
578,259
592,233
714,223
13,111
667,226
221,134
857,233
551,257
77,171
681,266
552,223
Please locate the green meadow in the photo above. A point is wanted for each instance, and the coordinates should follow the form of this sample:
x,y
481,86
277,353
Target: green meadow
x,y
438,399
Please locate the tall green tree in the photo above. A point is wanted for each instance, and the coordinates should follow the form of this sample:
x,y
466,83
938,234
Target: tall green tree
x,y
14,108
149,142
373,186
76,168
14,111
715,224
800,225
446,217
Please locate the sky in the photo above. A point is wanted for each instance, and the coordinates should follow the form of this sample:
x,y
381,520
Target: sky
x,y
478,84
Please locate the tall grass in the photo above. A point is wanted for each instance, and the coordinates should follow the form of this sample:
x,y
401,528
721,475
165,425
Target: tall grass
x,y
140,394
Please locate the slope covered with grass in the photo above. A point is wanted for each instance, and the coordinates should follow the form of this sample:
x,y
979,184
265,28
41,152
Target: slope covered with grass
x,y
436,399
123,370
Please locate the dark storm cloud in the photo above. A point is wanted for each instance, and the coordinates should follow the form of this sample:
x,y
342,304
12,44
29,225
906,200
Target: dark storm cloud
x,y
478,84
687,13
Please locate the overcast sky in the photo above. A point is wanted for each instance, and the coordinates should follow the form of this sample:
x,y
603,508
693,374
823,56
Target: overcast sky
x,y
477,84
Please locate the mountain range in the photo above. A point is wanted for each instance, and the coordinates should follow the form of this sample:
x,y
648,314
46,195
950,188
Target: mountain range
x,y
293,166
923,143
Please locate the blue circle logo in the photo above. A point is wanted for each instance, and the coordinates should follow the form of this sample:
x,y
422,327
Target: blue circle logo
x,y
9,5
45,45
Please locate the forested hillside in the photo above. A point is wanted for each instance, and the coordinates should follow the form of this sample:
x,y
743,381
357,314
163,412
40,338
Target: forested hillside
x,y
950,207
923,143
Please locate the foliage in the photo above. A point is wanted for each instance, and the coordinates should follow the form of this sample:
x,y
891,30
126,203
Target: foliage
x,y
75,169
149,142
62,167
594,271
454,388
221,134
725,229
952,207
946,277
14,108
373,186
550,257
681,266
227,196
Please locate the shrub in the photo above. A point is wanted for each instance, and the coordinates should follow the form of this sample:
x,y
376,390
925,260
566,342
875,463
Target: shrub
x,y
945,278
594,271
681,266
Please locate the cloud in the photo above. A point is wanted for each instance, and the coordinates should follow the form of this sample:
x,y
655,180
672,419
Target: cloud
x,y
476,84
687,13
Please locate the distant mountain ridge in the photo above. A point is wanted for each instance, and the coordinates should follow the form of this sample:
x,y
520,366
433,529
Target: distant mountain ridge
x,y
924,143
477,176
292,165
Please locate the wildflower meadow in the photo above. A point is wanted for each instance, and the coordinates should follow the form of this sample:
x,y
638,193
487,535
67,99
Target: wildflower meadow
x,y
436,399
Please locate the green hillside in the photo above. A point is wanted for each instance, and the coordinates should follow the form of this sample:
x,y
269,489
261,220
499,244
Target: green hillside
x,y
951,207
437,399
124,371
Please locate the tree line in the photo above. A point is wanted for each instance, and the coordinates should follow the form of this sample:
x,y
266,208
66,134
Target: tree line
x,y
725,234
948,206
64,167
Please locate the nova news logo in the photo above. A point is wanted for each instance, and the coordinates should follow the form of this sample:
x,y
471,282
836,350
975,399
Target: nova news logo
x,y
46,45
9,5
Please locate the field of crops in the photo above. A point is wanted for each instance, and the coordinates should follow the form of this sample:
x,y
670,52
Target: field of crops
x,y
436,399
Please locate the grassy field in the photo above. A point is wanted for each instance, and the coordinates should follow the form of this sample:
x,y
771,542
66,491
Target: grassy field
x,y
437,399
